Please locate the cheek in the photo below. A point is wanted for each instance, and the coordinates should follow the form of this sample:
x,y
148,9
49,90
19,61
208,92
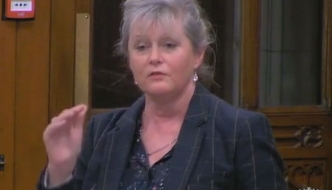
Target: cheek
x,y
136,65
133,62
183,63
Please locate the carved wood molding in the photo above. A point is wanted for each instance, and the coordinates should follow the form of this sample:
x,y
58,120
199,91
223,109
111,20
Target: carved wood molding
x,y
308,136
302,175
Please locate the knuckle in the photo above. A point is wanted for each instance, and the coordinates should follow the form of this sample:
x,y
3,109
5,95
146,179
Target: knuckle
x,y
54,119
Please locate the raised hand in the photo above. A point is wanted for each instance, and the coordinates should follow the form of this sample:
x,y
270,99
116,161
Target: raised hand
x,y
63,141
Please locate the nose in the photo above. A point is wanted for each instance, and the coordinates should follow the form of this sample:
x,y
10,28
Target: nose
x,y
155,57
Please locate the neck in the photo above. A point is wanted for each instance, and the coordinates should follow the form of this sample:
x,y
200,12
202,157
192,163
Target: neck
x,y
158,108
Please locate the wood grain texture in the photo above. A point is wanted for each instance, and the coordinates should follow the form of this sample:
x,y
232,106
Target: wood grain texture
x,y
327,83
84,6
7,100
32,95
62,60
251,16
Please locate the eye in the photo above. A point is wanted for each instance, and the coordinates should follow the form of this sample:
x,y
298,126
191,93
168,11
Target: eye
x,y
170,45
141,47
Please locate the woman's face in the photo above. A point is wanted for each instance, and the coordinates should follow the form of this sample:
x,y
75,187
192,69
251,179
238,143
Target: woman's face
x,y
162,58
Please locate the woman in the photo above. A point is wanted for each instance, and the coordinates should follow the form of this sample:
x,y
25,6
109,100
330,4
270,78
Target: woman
x,y
177,135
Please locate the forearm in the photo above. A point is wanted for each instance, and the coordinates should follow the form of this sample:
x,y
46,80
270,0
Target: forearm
x,y
71,180
71,183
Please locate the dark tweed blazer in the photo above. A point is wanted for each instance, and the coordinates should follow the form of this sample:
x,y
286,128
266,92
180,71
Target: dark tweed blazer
x,y
219,147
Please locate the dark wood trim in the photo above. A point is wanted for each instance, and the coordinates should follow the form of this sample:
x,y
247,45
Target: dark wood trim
x,y
327,57
302,153
251,14
295,110
327,82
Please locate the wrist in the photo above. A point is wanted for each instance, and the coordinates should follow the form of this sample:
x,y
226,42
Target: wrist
x,y
57,174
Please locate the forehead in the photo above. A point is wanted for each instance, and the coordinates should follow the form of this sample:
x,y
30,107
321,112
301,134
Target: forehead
x,y
148,27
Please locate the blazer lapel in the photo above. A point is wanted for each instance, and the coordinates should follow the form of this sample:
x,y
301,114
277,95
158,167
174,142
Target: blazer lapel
x,y
189,143
117,149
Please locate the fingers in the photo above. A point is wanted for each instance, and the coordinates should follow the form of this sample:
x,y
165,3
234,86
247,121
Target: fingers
x,y
68,114
78,108
79,118
52,128
68,117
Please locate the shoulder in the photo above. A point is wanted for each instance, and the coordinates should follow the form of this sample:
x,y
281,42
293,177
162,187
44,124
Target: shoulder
x,y
220,108
104,122
236,119
107,117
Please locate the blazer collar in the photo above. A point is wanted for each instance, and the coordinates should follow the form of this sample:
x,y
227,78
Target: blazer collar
x,y
189,141
118,146
120,140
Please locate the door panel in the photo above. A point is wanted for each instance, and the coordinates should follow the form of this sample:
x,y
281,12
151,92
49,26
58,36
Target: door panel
x,y
32,93
311,172
24,97
290,53
288,77
7,100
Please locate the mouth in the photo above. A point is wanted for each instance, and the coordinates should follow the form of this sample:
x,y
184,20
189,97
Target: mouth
x,y
157,73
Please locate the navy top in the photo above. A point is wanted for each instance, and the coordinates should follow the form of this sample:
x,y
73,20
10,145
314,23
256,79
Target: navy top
x,y
138,175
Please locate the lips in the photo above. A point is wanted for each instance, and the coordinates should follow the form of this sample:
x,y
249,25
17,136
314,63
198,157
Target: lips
x,y
156,73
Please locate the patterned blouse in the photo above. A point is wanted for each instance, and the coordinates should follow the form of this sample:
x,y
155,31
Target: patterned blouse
x,y
138,175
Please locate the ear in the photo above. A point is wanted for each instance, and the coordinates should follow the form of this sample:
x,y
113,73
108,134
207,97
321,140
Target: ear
x,y
199,57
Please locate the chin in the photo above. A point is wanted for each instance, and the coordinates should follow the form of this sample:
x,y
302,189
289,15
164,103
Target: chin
x,y
159,89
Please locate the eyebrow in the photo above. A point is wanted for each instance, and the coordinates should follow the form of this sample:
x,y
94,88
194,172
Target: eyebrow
x,y
165,35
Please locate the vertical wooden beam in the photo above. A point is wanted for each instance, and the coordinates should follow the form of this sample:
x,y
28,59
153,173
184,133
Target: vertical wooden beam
x,y
32,96
251,12
327,83
7,100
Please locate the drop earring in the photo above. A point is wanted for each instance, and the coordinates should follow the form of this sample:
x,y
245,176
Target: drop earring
x,y
195,79
135,82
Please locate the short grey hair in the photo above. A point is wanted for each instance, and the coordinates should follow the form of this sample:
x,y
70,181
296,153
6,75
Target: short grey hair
x,y
196,25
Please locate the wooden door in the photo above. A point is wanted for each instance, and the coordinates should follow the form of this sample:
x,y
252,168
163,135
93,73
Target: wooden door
x,y
7,102
286,73
25,80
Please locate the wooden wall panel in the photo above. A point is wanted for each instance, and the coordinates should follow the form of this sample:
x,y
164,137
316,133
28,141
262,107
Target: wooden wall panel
x,y
62,55
304,173
7,100
83,6
32,95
